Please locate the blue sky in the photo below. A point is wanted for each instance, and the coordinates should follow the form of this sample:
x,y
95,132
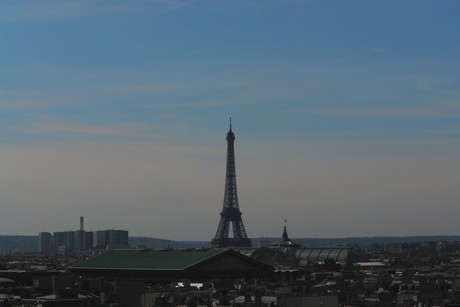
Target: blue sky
x,y
346,115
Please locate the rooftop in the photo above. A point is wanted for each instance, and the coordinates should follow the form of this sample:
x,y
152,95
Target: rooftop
x,y
167,259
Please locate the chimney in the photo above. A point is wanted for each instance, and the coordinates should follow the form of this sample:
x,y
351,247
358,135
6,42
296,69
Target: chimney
x,y
81,223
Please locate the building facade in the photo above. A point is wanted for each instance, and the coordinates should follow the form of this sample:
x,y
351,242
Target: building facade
x,y
45,243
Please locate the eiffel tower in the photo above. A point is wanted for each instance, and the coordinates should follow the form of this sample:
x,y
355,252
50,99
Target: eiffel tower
x,y
230,217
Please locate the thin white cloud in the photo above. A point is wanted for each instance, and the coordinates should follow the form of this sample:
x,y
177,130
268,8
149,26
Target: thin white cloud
x,y
136,88
446,131
378,50
46,10
437,84
16,100
120,130
49,129
19,105
447,110
176,5
52,126
58,10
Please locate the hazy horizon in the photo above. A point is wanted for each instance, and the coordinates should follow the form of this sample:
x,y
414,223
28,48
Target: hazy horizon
x,y
346,116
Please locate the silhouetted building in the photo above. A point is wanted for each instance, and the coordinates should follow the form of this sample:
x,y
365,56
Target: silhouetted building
x,y
230,232
64,241
69,242
80,240
45,242
89,239
109,239
80,237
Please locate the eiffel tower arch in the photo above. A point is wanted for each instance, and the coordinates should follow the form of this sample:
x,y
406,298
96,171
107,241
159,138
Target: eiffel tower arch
x,y
230,232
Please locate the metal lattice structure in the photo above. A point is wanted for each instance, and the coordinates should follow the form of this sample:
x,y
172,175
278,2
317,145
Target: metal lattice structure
x,y
230,217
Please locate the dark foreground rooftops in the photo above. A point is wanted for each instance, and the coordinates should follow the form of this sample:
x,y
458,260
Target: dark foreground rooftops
x,y
171,264
148,259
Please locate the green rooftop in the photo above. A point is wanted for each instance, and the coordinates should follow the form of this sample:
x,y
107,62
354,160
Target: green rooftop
x,y
168,259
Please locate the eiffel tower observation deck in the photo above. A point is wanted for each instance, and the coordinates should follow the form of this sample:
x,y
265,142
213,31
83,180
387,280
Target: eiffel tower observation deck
x,y
230,232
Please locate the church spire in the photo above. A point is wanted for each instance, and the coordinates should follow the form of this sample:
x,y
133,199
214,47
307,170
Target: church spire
x,y
285,235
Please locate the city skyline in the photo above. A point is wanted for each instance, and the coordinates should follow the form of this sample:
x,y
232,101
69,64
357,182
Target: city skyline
x,y
346,116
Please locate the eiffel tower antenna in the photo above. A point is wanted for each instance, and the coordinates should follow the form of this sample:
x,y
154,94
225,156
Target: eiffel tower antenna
x,y
230,217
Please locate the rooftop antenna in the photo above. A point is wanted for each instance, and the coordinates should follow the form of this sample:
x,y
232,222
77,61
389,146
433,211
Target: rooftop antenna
x,y
230,123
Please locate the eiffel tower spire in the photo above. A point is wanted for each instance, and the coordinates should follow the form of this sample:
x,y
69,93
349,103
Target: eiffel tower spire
x,y
230,218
